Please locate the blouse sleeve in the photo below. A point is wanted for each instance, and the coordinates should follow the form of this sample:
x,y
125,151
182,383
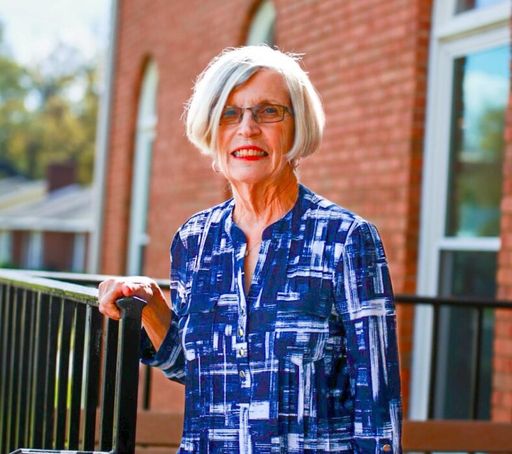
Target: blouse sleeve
x,y
364,300
169,357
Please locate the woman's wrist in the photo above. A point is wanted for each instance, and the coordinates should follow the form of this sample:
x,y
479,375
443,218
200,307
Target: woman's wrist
x,y
156,317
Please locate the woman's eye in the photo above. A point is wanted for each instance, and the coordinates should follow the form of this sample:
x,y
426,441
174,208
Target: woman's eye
x,y
269,110
230,113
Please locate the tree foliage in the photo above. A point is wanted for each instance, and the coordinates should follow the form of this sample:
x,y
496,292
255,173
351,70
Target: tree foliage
x,y
47,114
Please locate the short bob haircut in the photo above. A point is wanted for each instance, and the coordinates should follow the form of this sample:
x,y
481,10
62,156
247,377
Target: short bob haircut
x,y
233,67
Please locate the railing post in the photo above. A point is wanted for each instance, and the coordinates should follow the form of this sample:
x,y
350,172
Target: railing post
x,y
40,367
476,367
91,377
64,346
108,382
6,347
127,380
51,364
73,434
433,364
23,379
14,368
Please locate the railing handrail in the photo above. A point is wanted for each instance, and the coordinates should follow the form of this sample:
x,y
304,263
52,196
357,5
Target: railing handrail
x,y
468,301
400,298
26,280
80,278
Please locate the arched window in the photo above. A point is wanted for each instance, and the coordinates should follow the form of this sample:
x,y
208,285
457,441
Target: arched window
x,y
261,30
144,139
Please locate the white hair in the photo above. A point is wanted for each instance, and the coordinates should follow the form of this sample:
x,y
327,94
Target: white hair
x,y
233,67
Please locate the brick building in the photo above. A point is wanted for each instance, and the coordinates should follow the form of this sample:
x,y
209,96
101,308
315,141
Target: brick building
x,y
45,224
418,140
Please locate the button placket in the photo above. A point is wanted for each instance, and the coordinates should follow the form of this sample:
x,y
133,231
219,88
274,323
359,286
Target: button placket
x,y
241,331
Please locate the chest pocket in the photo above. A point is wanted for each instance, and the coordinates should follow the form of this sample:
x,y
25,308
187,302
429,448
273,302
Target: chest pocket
x,y
302,326
198,320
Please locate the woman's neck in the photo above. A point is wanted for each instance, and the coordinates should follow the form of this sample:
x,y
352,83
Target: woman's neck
x,y
259,205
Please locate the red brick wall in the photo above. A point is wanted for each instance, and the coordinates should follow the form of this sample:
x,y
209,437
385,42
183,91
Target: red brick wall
x,y
502,380
58,251
368,60
18,247
181,36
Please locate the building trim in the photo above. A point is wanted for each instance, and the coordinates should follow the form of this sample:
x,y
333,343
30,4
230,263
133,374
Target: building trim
x,y
102,145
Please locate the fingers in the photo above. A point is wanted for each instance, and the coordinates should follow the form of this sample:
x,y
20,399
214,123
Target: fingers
x,y
136,288
110,290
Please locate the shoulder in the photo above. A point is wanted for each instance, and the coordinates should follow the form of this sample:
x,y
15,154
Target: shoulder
x,y
195,225
329,214
333,224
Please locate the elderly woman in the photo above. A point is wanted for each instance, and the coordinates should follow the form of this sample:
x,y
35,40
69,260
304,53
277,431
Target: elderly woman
x,y
281,323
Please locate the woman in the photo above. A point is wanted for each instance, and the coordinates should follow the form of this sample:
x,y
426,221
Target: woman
x,y
282,323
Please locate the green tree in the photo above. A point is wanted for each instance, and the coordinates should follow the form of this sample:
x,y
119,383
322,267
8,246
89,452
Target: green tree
x,y
43,119
14,87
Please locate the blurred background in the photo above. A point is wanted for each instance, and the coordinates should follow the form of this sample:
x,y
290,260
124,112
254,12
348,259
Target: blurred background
x,y
52,55
96,173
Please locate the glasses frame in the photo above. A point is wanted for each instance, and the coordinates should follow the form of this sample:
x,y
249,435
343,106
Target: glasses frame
x,y
254,112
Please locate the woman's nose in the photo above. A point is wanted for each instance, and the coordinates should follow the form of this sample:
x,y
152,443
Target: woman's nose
x,y
248,125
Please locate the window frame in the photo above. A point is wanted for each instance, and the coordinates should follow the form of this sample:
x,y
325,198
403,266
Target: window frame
x,y
145,135
452,36
262,22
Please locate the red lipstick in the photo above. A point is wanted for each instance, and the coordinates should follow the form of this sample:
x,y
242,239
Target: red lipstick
x,y
249,153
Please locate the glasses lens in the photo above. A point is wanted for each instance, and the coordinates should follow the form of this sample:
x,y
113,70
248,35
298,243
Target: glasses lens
x,y
230,115
268,113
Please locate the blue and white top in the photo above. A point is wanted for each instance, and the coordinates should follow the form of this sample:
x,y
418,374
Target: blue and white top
x,y
305,360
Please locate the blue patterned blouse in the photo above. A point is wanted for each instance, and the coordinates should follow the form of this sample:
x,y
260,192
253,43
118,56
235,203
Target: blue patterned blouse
x,y
305,360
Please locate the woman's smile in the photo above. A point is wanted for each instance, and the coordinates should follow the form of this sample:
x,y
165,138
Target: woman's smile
x,y
249,153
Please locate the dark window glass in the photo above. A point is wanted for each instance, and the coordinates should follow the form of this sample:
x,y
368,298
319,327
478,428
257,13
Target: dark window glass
x,y
464,349
466,5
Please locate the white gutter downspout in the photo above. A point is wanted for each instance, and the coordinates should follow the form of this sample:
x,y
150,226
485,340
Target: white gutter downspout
x,y
102,146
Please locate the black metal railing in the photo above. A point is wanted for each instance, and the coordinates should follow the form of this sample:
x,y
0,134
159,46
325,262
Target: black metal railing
x,y
44,306
476,308
93,280
61,361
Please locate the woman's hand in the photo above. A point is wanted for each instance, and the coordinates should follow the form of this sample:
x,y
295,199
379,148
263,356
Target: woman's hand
x,y
156,315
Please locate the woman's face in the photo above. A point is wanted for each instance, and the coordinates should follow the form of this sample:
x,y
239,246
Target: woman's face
x,y
251,152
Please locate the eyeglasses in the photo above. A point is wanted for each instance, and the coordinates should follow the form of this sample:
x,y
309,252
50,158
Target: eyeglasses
x,y
262,113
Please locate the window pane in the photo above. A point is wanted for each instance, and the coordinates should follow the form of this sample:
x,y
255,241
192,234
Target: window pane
x,y
480,91
463,378
466,5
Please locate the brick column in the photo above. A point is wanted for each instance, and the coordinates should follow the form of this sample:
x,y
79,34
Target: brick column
x,y
502,379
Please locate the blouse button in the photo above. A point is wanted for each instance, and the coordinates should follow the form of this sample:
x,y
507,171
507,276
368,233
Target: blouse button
x,y
240,331
242,374
386,448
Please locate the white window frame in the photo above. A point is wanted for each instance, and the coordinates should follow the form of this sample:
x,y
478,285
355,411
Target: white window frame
x,y
261,23
33,253
144,139
452,36
5,247
79,252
